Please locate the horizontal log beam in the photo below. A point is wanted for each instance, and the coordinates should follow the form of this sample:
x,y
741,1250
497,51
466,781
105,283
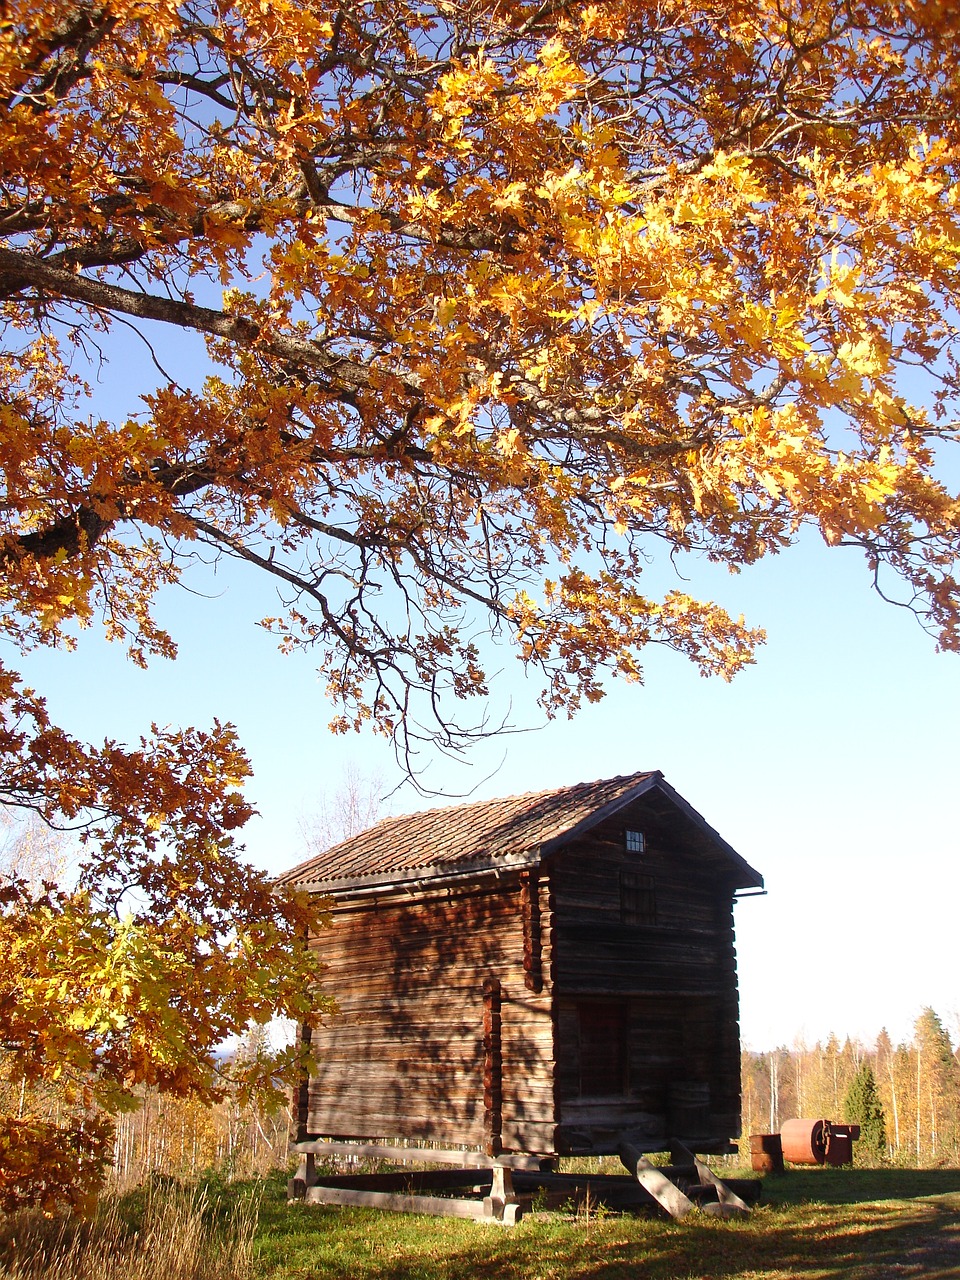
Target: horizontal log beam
x,y
436,1206
418,1155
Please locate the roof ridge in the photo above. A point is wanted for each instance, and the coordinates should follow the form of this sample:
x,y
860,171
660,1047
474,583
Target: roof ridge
x,y
429,817
519,795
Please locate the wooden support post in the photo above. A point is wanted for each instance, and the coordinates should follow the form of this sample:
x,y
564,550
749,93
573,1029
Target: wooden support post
x,y
304,1178
502,1203
766,1152
666,1193
729,1204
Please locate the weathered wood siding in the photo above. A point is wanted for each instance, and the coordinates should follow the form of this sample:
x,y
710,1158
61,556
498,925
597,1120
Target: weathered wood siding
x,y
673,983
444,1032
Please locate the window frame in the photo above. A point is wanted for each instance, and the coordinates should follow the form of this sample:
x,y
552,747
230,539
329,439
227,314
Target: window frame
x,y
634,840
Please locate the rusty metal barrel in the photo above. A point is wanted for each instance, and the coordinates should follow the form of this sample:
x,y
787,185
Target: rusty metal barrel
x,y
805,1141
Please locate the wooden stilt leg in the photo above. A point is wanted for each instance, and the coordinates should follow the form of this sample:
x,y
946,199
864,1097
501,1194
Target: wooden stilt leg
x,y
502,1202
305,1177
729,1204
666,1193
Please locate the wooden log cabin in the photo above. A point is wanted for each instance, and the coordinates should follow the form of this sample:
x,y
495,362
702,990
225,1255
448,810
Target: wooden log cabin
x,y
546,974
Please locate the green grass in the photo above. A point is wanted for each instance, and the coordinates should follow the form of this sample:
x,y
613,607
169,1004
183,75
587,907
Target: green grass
x,y
817,1224
820,1223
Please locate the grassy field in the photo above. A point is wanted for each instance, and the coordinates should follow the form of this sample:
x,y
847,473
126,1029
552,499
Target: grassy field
x,y
821,1224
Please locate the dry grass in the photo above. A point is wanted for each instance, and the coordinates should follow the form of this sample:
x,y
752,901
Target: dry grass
x,y
173,1234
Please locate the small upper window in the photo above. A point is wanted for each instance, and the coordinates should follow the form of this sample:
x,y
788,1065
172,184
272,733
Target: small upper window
x,y
634,842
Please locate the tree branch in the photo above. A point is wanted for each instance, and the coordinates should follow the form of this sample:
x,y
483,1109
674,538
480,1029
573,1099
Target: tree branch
x,y
20,270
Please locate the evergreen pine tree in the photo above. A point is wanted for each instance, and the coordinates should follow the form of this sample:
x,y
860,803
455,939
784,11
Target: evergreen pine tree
x,y
862,1106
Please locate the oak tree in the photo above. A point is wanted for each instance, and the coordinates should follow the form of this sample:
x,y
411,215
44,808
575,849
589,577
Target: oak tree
x,y
497,300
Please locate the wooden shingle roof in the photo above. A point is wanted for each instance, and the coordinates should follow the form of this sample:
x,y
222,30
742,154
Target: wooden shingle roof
x,y
509,832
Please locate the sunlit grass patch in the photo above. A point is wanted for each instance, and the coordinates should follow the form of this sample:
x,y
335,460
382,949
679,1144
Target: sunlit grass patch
x,y
815,1224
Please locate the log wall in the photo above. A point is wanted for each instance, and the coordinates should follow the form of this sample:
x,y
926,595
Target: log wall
x,y
672,982
444,1032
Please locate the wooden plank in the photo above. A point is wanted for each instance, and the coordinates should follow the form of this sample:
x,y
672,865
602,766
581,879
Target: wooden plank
x,y
461,974
411,1182
528,1101
477,907
522,1078
436,1206
360,1007
530,1135
636,946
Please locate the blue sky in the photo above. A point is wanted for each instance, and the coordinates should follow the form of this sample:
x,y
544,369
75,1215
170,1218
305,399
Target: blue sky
x,y
830,765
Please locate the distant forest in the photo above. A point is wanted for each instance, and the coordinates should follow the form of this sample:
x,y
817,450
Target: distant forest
x,y
911,1089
